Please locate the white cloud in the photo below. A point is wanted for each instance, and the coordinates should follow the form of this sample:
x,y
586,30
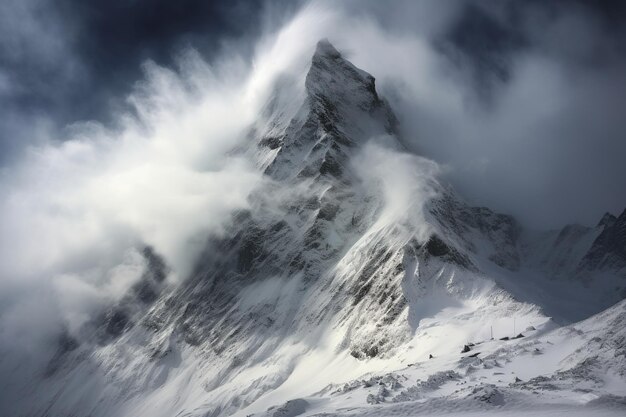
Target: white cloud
x,y
71,211
406,183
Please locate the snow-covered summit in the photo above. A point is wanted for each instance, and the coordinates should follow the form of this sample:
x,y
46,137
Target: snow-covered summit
x,y
341,111
335,81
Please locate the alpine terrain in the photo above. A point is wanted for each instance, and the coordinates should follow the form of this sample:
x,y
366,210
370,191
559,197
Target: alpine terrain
x,y
357,284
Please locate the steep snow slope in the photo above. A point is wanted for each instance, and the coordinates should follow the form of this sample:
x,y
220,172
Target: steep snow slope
x,y
353,260
574,370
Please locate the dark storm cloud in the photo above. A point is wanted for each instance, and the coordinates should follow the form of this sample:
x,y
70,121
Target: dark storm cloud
x,y
71,60
485,43
541,131
111,39
486,36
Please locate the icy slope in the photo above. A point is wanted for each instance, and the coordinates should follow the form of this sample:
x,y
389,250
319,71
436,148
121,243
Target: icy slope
x,y
575,370
353,260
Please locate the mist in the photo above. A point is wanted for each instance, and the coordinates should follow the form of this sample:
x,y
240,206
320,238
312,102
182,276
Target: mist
x,y
75,215
405,183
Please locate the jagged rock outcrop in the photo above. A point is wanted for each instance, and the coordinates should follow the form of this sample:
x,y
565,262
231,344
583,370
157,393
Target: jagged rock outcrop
x,y
609,248
342,109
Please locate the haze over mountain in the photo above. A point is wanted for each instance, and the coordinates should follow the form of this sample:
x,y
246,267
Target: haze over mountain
x,y
280,241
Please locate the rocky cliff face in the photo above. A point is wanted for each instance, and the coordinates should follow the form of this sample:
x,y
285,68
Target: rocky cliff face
x,y
341,111
609,248
316,267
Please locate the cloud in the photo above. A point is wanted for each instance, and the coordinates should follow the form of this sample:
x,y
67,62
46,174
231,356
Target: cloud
x,y
406,182
74,214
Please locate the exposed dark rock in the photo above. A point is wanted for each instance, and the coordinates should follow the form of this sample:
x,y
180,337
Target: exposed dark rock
x,y
365,352
331,166
145,292
361,293
251,249
607,220
436,247
609,248
157,267
372,351
117,322
464,222
272,142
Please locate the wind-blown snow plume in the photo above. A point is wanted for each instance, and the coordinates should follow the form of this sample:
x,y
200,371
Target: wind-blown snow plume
x,y
405,181
74,215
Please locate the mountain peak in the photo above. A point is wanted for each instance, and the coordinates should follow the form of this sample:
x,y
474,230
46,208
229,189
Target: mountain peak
x,y
325,49
342,109
607,220
334,79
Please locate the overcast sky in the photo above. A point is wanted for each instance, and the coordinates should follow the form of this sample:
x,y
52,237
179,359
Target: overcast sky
x,y
64,61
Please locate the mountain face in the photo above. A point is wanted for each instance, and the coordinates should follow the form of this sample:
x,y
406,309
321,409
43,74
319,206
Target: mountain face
x,y
341,111
608,251
320,283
